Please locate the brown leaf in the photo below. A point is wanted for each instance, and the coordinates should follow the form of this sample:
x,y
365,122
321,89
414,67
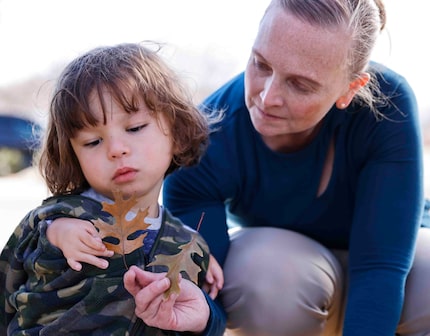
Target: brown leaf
x,y
181,261
122,228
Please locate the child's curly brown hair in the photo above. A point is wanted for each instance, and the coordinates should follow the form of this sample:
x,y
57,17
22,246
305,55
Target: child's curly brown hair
x,y
128,71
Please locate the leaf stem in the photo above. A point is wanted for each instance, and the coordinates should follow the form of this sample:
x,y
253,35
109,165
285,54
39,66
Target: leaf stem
x,y
200,222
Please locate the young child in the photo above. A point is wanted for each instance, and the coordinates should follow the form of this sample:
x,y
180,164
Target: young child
x,y
120,121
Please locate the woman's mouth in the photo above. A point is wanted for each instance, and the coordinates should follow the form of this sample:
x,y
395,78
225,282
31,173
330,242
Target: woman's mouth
x,y
266,115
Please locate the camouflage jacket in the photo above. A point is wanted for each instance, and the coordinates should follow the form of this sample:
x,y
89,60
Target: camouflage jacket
x,y
41,295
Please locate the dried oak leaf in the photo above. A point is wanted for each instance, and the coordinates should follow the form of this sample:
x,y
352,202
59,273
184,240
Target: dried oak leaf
x,y
181,261
121,229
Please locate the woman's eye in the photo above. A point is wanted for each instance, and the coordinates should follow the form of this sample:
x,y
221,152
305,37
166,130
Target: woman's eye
x,y
300,87
260,65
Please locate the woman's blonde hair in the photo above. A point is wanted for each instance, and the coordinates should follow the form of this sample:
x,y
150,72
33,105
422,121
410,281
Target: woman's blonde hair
x,y
363,20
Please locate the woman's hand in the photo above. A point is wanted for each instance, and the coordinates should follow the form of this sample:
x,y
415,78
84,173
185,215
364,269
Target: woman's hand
x,y
186,311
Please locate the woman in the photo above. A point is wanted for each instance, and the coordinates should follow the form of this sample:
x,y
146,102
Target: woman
x,y
318,162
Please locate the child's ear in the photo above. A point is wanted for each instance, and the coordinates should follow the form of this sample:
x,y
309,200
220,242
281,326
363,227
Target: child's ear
x,y
344,100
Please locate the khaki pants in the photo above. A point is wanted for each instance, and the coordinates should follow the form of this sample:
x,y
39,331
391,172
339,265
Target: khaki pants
x,y
305,298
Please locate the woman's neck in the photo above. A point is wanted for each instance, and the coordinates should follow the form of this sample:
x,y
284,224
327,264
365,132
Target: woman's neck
x,y
288,143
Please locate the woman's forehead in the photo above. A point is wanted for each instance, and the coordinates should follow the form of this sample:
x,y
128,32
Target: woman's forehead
x,y
291,42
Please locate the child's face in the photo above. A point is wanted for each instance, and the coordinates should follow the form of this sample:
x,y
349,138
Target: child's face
x,y
131,152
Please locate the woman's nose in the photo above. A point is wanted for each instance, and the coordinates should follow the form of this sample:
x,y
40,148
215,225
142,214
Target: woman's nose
x,y
271,93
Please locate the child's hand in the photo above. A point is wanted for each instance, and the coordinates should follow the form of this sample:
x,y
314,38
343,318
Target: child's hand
x,y
79,241
214,278
187,310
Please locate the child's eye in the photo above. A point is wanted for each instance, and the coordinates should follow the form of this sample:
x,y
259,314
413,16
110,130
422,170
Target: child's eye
x,y
93,143
136,128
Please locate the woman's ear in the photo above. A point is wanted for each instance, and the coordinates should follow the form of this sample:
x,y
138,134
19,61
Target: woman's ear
x,y
344,100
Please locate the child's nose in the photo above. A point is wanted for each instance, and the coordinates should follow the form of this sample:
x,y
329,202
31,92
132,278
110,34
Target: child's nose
x,y
117,149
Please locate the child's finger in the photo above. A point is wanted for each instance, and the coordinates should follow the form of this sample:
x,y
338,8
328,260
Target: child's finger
x,y
101,253
99,262
74,265
94,242
95,261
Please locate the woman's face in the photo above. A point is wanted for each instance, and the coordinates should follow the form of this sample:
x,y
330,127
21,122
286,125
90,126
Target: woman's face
x,y
295,74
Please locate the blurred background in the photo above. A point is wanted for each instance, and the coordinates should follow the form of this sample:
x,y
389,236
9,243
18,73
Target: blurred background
x,y
206,41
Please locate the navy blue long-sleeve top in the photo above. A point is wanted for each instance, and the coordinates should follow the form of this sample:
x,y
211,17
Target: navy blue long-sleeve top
x,y
372,205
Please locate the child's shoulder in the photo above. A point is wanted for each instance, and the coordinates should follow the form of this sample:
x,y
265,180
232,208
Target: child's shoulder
x,y
172,226
77,206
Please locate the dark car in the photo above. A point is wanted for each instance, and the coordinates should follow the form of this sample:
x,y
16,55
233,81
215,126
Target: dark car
x,y
19,138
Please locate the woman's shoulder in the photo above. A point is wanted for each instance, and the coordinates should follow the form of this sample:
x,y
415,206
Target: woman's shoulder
x,y
389,80
229,97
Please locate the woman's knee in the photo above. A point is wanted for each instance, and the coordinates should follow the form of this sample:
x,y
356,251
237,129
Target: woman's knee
x,y
276,278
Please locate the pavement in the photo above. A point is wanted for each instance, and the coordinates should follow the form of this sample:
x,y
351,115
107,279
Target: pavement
x,y
19,193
